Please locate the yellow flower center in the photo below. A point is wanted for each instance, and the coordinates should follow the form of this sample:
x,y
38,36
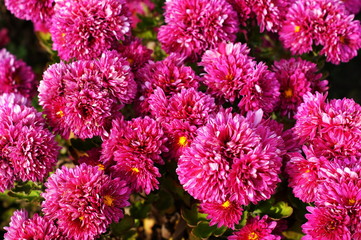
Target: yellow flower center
x,y
135,170
307,171
253,236
59,114
108,200
130,60
101,167
226,204
351,201
182,141
297,28
81,218
288,93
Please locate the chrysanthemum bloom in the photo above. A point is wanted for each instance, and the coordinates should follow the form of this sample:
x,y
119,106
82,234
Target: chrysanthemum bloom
x,y
223,213
232,156
86,95
39,12
83,29
332,128
340,187
326,223
37,227
16,76
170,74
29,150
261,92
256,228
342,38
303,174
231,75
181,114
228,67
193,26
296,78
83,201
135,53
131,151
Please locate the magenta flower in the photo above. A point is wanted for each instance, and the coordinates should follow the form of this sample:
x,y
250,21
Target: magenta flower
x,y
228,148
170,74
352,6
193,26
232,75
85,96
84,29
342,39
257,228
131,151
29,150
243,10
303,175
326,223
37,227
4,37
296,77
135,52
84,201
139,7
223,214
16,76
39,12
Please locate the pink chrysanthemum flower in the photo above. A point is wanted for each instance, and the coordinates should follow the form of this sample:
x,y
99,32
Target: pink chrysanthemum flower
x,y
84,29
170,74
193,26
136,54
132,150
256,228
340,187
37,227
326,224
16,76
229,148
342,38
296,78
233,76
29,150
83,201
86,95
39,12
223,214
180,115
332,128
303,174
261,92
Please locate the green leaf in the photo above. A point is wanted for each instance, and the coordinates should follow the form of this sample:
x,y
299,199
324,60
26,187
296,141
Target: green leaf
x,y
219,231
203,230
123,226
281,210
165,201
291,235
140,209
190,215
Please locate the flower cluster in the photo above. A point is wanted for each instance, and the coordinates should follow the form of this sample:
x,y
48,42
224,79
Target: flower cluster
x,y
132,150
193,26
28,149
325,23
84,96
232,75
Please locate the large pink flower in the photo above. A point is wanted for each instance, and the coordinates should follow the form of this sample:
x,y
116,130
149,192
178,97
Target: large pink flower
x,y
83,201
